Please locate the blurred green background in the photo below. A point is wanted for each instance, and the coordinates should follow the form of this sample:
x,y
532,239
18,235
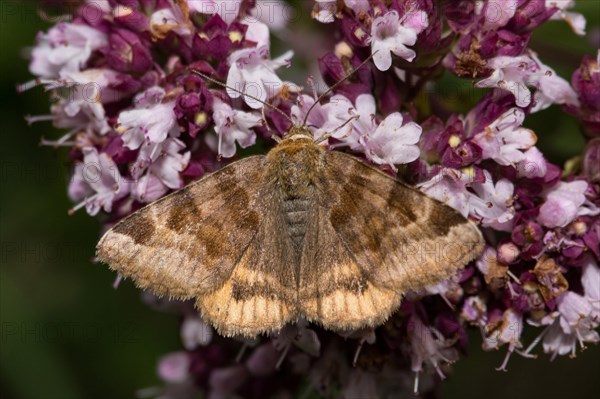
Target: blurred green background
x,y
66,333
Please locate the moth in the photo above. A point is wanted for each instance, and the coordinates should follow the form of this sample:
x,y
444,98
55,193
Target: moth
x,y
301,232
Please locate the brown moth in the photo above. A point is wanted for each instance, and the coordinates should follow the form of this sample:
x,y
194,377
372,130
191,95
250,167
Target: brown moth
x,y
299,233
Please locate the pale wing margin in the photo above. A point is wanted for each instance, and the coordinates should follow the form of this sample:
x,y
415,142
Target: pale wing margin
x,y
401,238
260,294
188,242
335,291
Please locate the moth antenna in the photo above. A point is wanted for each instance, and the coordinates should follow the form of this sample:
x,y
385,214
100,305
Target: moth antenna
x,y
337,129
219,83
336,84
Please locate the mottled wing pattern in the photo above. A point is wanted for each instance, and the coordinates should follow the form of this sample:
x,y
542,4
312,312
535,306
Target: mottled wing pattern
x,y
188,242
334,290
232,242
261,293
400,238
370,241
215,240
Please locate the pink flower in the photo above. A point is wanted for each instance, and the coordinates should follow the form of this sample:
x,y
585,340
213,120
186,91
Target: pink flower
x,y
591,160
195,332
150,122
564,202
474,310
392,142
559,343
508,252
505,331
148,188
258,33
449,290
357,6
389,142
253,73
515,74
512,74
491,203
174,367
551,88
532,165
323,118
576,316
427,345
494,203
392,34
341,109
586,81
90,89
450,186
575,20
170,19
162,160
327,117
576,311
574,322
590,279
168,163
504,139
80,116
65,48
97,182
102,5
497,13
233,126
81,108
324,10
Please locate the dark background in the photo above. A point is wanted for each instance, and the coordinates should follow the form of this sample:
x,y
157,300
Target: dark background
x,y
66,333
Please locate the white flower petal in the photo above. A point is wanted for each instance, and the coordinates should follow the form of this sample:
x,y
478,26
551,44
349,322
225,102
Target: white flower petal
x,y
381,56
366,104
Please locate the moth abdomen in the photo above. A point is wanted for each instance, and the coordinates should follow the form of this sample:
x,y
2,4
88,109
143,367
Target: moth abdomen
x,y
295,214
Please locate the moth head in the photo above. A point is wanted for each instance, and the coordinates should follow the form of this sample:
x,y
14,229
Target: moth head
x,y
298,132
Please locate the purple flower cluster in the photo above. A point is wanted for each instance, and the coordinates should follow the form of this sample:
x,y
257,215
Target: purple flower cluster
x,y
140,124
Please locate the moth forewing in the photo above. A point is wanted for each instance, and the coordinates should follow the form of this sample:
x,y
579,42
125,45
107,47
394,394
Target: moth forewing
x,y
186,243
